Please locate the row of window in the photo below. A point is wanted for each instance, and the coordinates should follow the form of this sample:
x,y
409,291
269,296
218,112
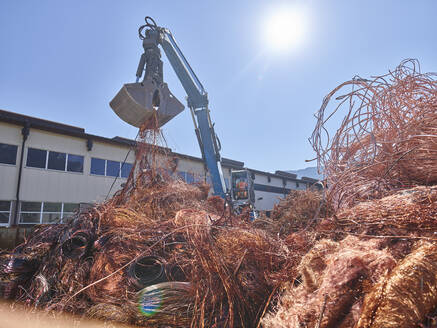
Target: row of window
x,y
74,163
52,160
46,212
110,168
38,212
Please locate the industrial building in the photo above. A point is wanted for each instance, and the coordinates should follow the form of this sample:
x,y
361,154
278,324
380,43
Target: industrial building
x,y
48,169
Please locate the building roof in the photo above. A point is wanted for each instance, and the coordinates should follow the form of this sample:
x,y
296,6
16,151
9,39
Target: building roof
x,y
74,131
55,127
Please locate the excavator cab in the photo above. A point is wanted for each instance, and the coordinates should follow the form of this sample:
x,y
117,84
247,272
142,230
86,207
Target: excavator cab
x,y
242,187
242,192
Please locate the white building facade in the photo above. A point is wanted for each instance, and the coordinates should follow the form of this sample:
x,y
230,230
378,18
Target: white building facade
x,y
48,169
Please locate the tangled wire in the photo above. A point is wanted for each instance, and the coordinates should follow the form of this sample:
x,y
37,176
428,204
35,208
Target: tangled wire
x,y
387,139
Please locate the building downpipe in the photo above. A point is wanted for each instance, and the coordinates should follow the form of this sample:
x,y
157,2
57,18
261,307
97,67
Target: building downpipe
x,y
25,133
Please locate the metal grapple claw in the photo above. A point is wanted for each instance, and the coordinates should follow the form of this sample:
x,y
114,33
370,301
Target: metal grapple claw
x,y
137,103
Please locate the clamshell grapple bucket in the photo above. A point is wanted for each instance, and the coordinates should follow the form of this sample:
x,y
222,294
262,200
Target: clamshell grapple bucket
x,y
137,103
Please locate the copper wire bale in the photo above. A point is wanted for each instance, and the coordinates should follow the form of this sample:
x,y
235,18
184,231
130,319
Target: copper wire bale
x,y
399,219
406,295
330,284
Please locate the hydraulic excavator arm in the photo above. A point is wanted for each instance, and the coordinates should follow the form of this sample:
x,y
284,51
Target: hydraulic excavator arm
x,y
136,102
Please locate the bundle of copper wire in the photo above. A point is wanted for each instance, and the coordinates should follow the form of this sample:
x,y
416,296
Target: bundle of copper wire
x,y
329,288
404,297
405,213
386,137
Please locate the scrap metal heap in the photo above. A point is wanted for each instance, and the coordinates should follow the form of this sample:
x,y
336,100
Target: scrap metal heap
x,y
160,253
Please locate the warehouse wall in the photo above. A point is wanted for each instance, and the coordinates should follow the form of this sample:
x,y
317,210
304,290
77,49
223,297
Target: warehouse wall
x,y
55,186
270,189
58,186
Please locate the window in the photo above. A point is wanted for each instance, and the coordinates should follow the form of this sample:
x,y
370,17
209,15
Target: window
x,y
189,178
181,175
56,161
36,158
69,210
112,168
75,163
8,154
5,211
297,184
125,169
52,212
30,212
98,166
46,212
186,176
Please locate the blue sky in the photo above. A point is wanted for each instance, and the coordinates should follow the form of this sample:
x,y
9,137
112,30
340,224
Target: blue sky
x,y
65,60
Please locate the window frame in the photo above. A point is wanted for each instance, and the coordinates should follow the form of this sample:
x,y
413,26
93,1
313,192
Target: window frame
x,y
16,153
189,178
68,213
104,169
29,212
119,169
51,212
9,212
47,161
34,167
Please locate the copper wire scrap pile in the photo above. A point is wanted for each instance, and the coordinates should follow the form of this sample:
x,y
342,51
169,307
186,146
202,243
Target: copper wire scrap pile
x,y
359,254
158,254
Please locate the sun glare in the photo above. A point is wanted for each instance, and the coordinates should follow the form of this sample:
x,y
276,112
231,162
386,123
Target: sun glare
x,y
284,30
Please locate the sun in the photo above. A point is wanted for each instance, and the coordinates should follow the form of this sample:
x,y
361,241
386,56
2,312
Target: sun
x,y
284,30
